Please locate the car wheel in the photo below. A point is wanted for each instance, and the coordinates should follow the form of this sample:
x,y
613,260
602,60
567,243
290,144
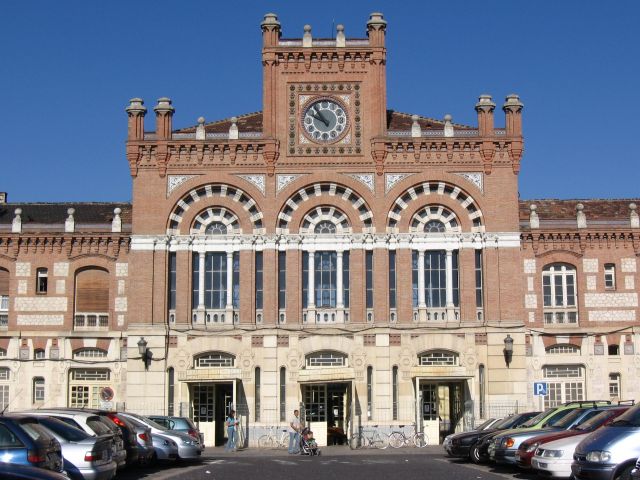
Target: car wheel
x,y
625,473
474,454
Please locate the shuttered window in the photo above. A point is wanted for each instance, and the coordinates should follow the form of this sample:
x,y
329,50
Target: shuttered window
x,y
92,291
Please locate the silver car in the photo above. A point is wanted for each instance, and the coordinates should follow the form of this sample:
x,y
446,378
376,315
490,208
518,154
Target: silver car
x,y
163,447
188,447
85,457
91,424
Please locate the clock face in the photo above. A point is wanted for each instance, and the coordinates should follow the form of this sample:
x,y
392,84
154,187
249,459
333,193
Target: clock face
x,y
324,121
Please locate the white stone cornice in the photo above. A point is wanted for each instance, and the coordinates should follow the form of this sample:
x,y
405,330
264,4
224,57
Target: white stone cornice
x,y
347,241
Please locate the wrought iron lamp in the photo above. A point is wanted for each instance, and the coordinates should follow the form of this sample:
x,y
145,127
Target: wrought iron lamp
x,y
508,350
145,353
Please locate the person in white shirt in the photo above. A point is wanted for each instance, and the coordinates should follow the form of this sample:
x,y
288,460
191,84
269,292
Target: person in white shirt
x,y
294,433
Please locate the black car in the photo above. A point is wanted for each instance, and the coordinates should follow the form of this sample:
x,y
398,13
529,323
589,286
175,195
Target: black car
x,y
474,444
15,471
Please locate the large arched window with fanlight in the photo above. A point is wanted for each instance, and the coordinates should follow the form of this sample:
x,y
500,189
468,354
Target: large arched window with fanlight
x,y
214,360
92,299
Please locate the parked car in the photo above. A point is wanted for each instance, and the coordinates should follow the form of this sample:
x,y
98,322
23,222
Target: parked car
x,y
610,452
503,448
85,457
188,447
15,471
163,448
465,444
585,426
446,443
554,458
179,424
24,441
93,425
635,473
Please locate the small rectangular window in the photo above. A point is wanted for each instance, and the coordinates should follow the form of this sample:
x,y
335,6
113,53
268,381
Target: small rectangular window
x,y
614,385
282,280
38,389
479,295
41,280
610,276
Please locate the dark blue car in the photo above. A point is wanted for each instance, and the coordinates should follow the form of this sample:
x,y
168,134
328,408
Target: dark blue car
x,y
24,441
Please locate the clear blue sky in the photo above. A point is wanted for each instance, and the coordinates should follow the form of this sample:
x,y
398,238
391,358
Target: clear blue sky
x,y
68,69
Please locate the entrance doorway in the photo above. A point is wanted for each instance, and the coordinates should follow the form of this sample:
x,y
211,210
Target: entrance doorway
x,y
211,403
326,411
442,408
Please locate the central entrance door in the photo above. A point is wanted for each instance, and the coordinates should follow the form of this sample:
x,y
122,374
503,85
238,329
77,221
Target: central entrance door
x,y
211,404
326,411
442,408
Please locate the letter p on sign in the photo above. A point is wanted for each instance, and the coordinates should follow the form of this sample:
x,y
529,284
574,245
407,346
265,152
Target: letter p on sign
x,y
540,388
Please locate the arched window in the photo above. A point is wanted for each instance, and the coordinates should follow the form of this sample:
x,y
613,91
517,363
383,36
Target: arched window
x,y
5,373
559,293
614,385
438,358
39,354
92,299
89,353
216,228
565,384
563,348
326,358
325,227
435,219
3,352
38,390
434,226
283,394
214,359
170,390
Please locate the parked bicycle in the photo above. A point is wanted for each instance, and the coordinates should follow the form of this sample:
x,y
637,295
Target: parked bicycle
x,y
369,438
273,439
398,438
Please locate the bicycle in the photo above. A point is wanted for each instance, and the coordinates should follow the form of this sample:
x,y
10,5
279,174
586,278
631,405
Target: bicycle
x,y
369,438
273,440
398,439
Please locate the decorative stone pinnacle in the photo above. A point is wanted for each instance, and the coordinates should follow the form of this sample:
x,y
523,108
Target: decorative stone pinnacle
x,y
485,103
270,20
512,102
534,220
233,129
581,218
16,226
200,130
376,19
448,126
164,105
116,224
633,216
307,39
70,223
416,130
341,40
136,106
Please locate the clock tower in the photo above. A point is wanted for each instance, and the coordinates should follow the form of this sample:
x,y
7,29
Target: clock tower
x,y
324,97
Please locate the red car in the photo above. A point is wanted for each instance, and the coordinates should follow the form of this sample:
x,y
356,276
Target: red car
x,y
528,448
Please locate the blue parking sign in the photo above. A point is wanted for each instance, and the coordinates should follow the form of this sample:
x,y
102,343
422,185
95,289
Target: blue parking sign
x,y
540,388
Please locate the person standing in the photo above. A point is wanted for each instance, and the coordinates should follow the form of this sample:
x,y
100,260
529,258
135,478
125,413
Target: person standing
x,y
231,432
294,433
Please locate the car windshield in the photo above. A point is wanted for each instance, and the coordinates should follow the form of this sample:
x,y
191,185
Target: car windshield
x,y
630,418
36,431
597,420
506,422
484,425
537,418
97,426
151,423
569,418
69,433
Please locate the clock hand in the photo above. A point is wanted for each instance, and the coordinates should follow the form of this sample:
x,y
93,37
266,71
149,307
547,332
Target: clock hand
x,y
323,118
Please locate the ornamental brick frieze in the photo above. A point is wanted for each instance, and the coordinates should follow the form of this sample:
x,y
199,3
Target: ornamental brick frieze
x,y
73,246
352,61
187,155
579,242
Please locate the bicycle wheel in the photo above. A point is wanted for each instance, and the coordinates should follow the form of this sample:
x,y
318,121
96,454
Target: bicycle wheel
x,y
380,440
265,441
420,440
357,441
396,440
284,440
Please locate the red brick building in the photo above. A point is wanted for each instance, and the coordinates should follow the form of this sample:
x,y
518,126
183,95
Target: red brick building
x,y
328,253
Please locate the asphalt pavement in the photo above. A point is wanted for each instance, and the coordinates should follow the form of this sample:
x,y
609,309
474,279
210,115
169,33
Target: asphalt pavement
x,y
336,462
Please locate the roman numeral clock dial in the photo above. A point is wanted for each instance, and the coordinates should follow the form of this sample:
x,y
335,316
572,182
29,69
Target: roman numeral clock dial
x,y
325,121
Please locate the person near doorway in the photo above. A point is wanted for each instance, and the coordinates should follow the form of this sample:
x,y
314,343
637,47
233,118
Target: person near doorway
x,y
294,433
231,423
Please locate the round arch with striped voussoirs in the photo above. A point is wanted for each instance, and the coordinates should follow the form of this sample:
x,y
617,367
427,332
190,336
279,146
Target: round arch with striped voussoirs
x,y
431,216
202,194
428,192
212,216
318,217
325,190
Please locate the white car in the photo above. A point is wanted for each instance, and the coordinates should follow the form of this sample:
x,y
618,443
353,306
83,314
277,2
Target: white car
x,y
555,458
